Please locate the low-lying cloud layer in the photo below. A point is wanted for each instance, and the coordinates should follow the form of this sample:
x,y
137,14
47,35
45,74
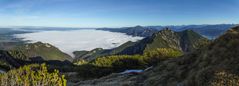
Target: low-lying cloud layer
x,y
70,41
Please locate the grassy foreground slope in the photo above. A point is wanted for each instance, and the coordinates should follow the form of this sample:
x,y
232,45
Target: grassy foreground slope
x,y
32,75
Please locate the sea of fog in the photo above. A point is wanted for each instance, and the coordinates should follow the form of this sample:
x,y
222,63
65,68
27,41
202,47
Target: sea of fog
x,y
75,40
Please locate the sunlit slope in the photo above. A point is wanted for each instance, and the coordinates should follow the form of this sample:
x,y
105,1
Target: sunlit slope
x,y
41,51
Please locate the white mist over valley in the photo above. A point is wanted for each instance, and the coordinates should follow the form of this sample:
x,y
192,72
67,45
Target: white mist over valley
x,y
76,40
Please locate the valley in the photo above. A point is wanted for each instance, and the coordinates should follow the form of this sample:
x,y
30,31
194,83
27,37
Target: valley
x,y
164,52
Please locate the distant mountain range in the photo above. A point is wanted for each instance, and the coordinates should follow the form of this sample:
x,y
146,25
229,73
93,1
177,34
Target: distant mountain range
x,y
134,31
7,40
209,31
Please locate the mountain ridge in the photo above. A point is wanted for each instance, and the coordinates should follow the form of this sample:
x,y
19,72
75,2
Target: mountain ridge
x,y
166,39
215,64
210,31
163,39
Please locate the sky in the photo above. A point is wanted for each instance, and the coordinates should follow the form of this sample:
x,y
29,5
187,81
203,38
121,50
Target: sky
x,y
117,13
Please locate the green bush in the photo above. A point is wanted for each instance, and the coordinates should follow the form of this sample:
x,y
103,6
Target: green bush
x,y
136,61
108,61
80,62
32,75
103,66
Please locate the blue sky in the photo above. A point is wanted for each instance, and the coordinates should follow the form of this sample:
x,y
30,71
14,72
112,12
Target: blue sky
x,y
116,13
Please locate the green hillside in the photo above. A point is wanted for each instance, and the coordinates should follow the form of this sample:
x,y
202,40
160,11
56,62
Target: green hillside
x,y
98,52
89,55
185,41
164,39
39,51
191,40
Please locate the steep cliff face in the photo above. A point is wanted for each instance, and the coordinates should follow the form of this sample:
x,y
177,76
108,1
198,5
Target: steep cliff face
x,y
213,65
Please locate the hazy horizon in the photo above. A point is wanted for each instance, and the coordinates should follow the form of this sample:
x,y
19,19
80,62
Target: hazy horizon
x,y
116,13
32,27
